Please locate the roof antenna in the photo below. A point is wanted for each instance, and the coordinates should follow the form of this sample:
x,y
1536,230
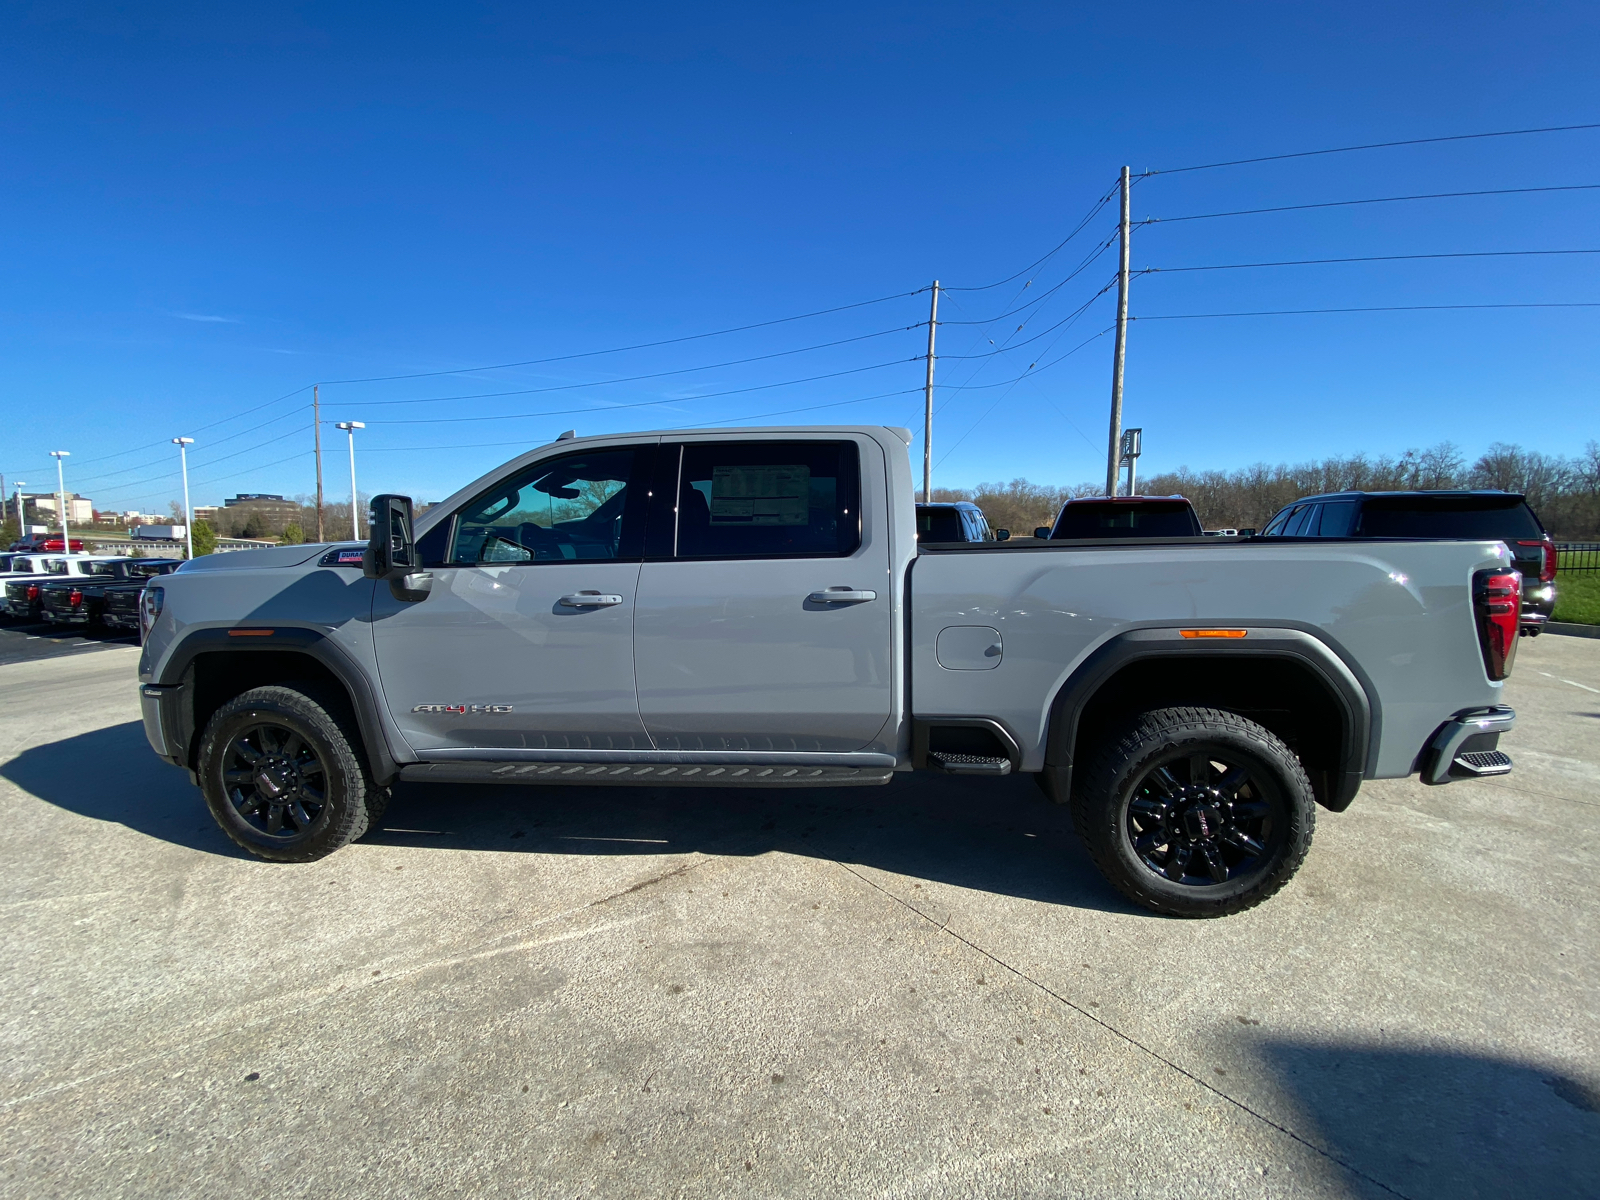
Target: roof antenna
x,y
571,433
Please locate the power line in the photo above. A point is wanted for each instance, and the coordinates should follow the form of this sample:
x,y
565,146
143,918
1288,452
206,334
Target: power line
x,y
646,403
568,387
533,362
1248,212
1073,274
1458,137
1310,262
1292,312
1061,245
748,417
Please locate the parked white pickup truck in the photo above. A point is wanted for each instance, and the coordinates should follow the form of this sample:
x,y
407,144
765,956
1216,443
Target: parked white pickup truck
x,y
751,608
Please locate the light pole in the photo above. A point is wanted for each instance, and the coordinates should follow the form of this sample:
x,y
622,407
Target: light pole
x,y
20,484
61,498
183,445
350,428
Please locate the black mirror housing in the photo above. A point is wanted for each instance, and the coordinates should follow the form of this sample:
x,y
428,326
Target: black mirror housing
x,y
1002,535
1043,533
391,549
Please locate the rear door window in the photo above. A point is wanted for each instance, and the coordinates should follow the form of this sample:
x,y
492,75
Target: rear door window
x,y
1336,519
940,525
770,500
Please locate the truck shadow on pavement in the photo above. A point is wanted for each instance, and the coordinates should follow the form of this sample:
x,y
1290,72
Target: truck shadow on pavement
x,y
997,836
1424,1122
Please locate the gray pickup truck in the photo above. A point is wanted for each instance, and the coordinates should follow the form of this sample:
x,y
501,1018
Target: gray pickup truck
x,y
751,608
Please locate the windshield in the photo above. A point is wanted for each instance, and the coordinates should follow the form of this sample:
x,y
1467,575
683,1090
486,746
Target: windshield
x,y
1491,517
98,568
1145,518
145,570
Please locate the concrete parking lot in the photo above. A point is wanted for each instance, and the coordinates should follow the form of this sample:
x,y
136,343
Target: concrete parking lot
x,y
919,990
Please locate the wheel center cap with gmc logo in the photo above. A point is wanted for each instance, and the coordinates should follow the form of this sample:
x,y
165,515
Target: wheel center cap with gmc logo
x,y
273,779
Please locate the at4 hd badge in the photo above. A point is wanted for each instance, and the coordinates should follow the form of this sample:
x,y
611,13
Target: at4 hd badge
x,y
462,708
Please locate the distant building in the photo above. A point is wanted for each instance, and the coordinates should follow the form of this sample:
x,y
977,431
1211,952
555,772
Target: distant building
x,y
79,510
206,512
275,511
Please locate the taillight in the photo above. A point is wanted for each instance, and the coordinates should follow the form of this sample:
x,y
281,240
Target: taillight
x,y
33,592
75,598
150,602
1547,559
1497,601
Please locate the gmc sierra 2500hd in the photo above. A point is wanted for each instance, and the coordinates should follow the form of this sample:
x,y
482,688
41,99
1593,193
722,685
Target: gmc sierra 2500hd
x,y
750,608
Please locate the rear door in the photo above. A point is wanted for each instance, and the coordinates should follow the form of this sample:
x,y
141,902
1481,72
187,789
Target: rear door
x,y
765,605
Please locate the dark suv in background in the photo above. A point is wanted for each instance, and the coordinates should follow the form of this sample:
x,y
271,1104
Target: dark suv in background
x,y
955,521
1469,516
1123,517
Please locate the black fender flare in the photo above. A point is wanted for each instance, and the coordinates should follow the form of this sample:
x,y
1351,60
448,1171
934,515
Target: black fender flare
x,y
176,681
1350,689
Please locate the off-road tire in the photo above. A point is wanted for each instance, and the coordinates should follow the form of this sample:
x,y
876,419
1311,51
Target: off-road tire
x,y
1103,798
349,797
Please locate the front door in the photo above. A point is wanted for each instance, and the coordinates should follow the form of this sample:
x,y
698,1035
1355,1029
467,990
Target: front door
x,y
764,620
526,639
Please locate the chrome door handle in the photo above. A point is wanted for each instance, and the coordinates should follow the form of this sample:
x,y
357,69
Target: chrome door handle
x,y
590,600
842,595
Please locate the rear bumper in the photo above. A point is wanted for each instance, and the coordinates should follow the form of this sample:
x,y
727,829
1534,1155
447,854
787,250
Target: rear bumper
x,y
1467,746
65,618
120,620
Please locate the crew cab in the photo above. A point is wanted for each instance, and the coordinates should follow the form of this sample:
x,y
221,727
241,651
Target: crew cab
x,y
81,600
23,591
751,608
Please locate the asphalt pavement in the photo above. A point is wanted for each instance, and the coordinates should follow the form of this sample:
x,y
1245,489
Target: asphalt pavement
x,y
922,990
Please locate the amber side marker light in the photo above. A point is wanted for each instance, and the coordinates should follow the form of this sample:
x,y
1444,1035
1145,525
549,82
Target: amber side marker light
x,y
251,632
1213,633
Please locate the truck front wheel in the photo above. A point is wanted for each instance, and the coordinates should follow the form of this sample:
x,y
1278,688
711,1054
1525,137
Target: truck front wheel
x,y
282,775
1196,812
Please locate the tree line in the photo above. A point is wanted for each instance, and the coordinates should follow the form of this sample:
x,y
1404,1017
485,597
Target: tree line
x,y
1564,492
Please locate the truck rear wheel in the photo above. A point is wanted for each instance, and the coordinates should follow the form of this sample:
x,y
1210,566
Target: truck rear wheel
x,y
282,775
1196,812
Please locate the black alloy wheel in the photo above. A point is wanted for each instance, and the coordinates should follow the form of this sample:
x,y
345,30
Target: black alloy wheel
x,y
283,773
1201,817
1195,812
275,780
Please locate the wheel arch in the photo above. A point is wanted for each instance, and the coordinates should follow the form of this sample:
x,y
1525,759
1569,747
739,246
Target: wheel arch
x,y
1308,682
209,667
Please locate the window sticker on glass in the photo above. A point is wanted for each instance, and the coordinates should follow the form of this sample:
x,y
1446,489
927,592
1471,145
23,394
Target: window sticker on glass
x,y
761,495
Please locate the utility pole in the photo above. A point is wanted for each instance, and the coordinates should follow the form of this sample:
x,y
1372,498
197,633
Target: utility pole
x,y
316,430
183,445
61,498
927,418
1113,466
350,427
19,484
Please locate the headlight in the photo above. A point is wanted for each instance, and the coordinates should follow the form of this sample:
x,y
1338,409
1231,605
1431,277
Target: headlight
x,y
150,602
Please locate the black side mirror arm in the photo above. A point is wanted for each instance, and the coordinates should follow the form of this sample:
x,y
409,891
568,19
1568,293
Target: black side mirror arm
x,y
391,551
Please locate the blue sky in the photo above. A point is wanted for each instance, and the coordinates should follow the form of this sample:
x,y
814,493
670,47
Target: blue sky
x,y
209,208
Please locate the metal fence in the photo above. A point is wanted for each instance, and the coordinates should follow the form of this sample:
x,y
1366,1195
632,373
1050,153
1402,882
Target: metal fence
x,y
1574,558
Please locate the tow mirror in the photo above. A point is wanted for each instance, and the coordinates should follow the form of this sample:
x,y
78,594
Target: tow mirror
x,y
392,550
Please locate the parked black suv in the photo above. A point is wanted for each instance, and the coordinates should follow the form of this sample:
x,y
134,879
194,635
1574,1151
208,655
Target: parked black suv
x,y
1464,515
957,521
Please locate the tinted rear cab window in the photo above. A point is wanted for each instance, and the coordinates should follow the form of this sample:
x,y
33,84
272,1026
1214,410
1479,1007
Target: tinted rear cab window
x,y
940,525
1501,518
769,500
1154,518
